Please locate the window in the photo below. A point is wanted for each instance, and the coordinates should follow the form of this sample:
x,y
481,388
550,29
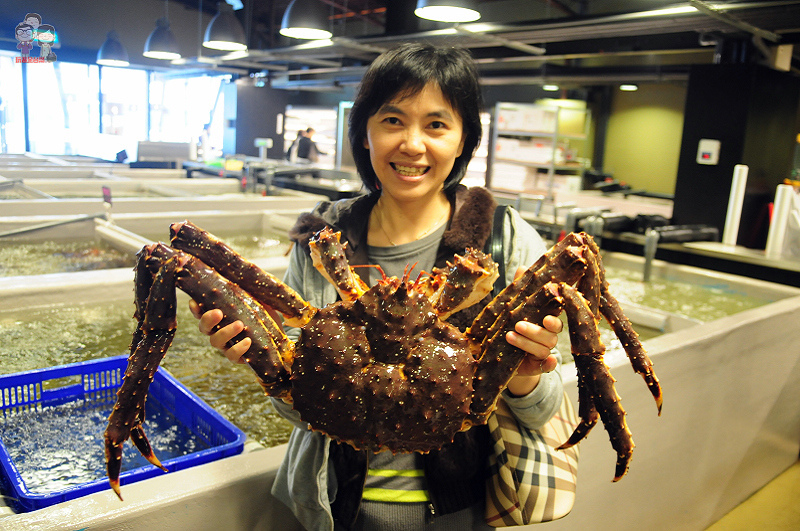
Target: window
x,y
62,108
124,110
80,109
181,107
12,117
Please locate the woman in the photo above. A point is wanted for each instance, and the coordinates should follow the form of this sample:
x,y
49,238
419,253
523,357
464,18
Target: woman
x,y
414,127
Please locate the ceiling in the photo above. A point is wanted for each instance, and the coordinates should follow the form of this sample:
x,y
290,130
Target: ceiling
x,y
573,43
581,42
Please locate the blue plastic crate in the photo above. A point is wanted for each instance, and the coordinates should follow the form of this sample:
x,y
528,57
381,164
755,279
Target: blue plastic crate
x,y
33,393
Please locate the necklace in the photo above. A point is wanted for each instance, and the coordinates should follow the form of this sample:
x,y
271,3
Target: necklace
x,y
422,235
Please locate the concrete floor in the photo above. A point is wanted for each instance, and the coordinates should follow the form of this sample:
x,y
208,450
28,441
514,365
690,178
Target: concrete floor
x,y
775,507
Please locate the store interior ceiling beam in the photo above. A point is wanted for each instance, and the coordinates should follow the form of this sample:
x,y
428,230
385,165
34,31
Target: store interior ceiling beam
x,y
708,9
561,6
501,41
347,12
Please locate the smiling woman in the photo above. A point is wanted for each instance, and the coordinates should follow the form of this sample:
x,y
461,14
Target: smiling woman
x,y
414,126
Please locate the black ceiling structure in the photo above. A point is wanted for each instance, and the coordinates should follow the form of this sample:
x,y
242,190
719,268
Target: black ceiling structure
x,y
578,43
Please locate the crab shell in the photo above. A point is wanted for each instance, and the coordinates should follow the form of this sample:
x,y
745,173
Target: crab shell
x,y
391,373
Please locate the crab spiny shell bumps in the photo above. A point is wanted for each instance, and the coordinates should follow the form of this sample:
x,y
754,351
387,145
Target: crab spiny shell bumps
x,y
394,374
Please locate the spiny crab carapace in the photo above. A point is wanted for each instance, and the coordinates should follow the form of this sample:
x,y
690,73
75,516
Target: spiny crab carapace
x,y
380,369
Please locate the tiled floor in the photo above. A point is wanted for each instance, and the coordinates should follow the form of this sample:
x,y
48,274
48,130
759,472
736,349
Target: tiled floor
x,y
776,507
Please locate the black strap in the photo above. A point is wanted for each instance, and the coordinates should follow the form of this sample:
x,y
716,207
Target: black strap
x,y
495,247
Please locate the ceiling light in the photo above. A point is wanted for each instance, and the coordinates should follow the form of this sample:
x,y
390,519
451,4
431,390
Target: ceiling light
x,y
448,10
112,52
550,88
305,19
224,32
161,43
629,87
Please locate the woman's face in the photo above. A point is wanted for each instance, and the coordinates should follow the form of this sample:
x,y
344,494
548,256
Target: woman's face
x,y
413,143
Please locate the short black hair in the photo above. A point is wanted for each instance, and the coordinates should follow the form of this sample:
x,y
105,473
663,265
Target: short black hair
x,y
403,71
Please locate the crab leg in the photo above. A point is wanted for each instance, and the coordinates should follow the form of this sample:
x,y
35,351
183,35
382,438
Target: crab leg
x,y
264,287
500,360
327,254
152,338
595,381
269,355
469,279
595,283
564,262
630,342
586,412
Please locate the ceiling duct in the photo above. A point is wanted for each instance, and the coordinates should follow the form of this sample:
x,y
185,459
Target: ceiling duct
x,y
400,18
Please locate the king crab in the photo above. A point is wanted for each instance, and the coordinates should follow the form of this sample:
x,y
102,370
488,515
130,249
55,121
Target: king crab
x,y
380,369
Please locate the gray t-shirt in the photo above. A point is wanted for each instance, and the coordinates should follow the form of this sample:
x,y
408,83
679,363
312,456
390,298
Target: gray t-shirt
x,y
402,473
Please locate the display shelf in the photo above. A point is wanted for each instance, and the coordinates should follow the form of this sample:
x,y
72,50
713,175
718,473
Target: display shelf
x,y
527,150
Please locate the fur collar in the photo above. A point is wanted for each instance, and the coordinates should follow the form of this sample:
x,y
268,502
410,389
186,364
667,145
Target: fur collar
x,y
469,227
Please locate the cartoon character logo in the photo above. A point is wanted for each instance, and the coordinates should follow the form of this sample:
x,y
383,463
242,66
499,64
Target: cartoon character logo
x,y
24,33
31,32
46,36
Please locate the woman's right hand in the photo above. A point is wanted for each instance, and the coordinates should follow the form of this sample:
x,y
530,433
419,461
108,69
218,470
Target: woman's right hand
x,y
219,339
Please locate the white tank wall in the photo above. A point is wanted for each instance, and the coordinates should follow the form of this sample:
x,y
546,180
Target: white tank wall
x,y
29,210
729,426
231,494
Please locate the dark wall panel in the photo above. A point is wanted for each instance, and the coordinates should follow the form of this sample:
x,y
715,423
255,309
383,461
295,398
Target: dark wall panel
x,y
752,111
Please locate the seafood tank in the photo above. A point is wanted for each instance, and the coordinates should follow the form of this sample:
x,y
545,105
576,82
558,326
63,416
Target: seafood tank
x,y
724,348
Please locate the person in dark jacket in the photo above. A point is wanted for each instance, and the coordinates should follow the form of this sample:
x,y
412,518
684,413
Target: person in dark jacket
x,y
306,147
414,126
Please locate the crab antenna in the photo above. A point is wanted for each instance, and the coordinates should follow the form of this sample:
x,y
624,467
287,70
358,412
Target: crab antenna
x,y
376,266
408,270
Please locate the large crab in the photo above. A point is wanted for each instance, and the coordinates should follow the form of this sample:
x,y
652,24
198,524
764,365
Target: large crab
x,y
380,369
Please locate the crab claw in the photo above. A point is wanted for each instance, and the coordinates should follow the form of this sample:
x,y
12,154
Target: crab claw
x,y
114,455
154,336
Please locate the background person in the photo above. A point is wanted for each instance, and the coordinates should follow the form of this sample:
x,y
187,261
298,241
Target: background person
x,y
291,153
307,148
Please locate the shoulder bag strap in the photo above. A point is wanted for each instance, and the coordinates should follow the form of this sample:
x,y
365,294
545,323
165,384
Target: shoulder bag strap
x,y
494,247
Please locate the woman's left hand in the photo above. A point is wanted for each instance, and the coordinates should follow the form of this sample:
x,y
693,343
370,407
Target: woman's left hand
x,y
537,341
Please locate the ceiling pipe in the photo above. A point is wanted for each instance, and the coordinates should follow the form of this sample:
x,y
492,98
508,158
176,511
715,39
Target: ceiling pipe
x,y
713,12
361,15
507,60
500,41
561,7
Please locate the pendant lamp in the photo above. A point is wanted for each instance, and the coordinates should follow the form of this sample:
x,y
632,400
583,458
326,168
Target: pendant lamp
x,y
305,19
448,10
161,43
112,52
224,32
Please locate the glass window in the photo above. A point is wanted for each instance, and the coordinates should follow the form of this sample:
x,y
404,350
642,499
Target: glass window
x,y
62,108
79,109
12,117
124,110
181,107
